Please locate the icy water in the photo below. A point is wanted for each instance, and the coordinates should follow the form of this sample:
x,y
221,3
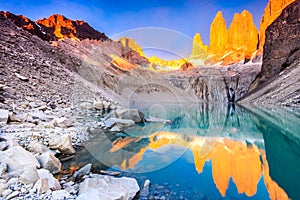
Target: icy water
x,y
206,152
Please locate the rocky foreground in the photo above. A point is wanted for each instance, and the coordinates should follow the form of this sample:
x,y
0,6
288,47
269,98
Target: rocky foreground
x,y
43,112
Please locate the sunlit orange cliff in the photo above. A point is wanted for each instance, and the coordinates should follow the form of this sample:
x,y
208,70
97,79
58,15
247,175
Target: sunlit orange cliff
x,y
240,42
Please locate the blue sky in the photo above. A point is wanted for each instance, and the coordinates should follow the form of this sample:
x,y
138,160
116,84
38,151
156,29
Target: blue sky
x,y
113,17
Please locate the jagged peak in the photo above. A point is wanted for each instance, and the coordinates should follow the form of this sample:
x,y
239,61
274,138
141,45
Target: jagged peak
x,y
245,13
198,38
58,18
131,43
219,14
271,12
6,14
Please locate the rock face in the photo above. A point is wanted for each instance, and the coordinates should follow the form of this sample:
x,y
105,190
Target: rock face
x,y
198,48
56,27
218,35
61,27
243,35
272,11
235,44
27,24
279,82
199,51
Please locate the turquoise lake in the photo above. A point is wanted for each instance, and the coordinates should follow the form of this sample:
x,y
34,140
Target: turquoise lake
x,y
206,152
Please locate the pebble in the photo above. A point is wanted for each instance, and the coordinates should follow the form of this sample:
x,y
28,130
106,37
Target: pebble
x,y
13,194
6,192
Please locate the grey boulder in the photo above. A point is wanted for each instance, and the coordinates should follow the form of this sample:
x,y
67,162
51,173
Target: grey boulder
x,y
50,162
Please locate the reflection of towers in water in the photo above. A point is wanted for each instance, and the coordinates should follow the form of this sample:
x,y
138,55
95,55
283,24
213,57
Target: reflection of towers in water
x,y
232,160
203,116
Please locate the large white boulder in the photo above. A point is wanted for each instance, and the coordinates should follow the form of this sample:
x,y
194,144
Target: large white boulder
x,y
29,175
109,188
17,157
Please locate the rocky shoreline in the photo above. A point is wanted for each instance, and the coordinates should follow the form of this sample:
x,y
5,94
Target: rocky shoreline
x,y
32,138
47,111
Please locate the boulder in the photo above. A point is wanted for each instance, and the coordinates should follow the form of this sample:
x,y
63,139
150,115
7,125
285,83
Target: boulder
x,y
41,186
12,195
3,145
133,114
50,162
145,191
64,122
109,122
29,175
98,105
81,172
4,116
62,143
36,147
85,105
13,118
17,157
109,188
93,194
6,192
22,78
60,194
3,186
158,120
147,183
102,105
3,168
115,129
119,122
106,105
51,180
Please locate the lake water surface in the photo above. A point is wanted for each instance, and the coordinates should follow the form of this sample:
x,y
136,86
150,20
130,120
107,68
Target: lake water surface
x,y
206,152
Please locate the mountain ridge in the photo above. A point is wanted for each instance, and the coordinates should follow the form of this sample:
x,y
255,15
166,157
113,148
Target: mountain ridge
x,y
239,43
56,27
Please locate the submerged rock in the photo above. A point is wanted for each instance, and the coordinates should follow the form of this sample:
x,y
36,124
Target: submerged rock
x,y
156,119
133,114
121,123
81,172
